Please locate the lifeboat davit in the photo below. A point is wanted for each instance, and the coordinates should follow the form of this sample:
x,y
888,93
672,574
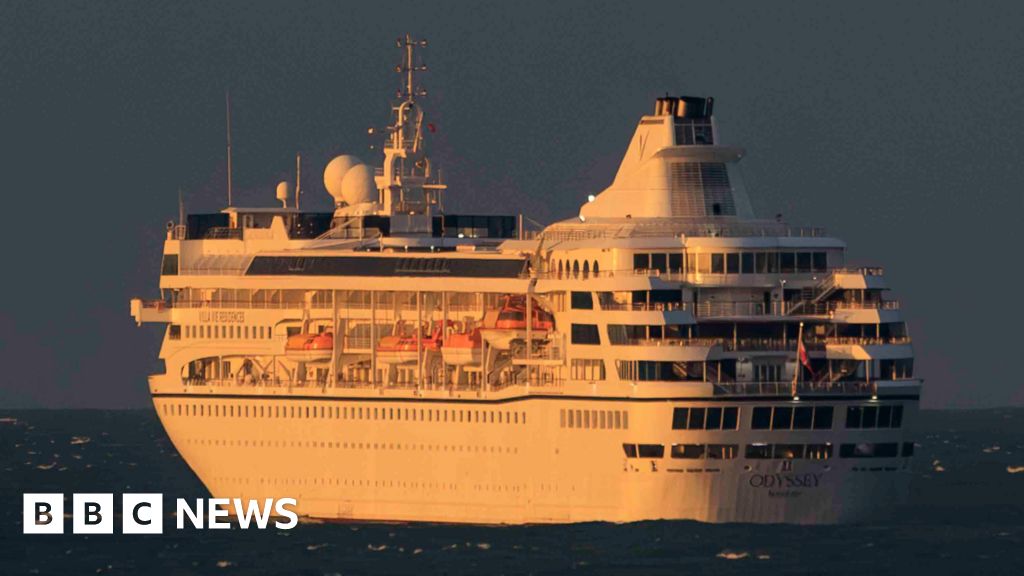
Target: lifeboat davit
x,y
313,348
462,349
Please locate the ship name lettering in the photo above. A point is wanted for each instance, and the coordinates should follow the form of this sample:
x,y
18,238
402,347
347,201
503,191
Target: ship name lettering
x,y
223,316
809,480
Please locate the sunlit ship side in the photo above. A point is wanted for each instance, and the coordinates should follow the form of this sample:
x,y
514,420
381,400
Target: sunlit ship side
x,y
664,355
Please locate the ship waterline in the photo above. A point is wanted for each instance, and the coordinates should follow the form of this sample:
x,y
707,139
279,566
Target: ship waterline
x,y
664,355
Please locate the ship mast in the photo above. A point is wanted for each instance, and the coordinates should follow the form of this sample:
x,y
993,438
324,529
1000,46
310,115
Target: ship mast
x,y
408,183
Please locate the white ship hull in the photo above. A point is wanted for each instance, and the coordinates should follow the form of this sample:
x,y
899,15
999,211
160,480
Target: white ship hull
x,y
526,469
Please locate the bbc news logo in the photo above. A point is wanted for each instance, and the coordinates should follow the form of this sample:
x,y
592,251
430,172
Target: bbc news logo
x,y
143,513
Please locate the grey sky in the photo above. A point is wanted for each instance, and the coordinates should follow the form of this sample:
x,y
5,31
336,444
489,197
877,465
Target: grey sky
x,y
897,126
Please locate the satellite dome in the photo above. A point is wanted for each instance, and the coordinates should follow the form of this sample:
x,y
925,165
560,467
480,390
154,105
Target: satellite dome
x,y
335,172
358,186
284,190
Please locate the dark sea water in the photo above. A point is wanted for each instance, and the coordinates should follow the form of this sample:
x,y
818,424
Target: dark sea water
x,y
966,516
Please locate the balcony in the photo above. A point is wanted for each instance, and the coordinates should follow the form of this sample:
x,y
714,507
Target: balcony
x,y
150,311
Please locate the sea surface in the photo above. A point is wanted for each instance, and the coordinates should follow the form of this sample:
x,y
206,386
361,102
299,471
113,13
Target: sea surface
x,y
965,516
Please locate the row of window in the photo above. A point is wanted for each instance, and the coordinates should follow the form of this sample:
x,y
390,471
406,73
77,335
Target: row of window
x,y
345,413
791,418
715,418
218,331
789,451
733,262
683,451
874,416
586,369
770,451
597,419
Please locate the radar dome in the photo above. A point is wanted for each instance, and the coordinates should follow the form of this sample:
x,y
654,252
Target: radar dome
x,y
358,186
284,190
334,175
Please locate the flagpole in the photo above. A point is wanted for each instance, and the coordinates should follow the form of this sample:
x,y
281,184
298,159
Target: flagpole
x,y
798,372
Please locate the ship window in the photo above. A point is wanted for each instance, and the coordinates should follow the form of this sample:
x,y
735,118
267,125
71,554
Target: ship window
x,y
587,369
819,451
604,419
761,262
730,418
819,261
687,451
853,417
575,268
582,301
782,419
884,416
696,421
641,261
908,449
789,451
747,263
586,418
803,417
174,332
675,262
561,418
803,261
788,262
718,263
680,417
897,416
714,419
571,420
585,334
658,263
823,418
759,451
732,263
869,417
722,451
650,450
630,450
618,420
597,270
761,418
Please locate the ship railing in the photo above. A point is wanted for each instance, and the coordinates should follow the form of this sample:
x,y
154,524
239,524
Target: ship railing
x,y
840,387
247,304
176,232
866,341
860,270
645,306
711,309
668,228
701,342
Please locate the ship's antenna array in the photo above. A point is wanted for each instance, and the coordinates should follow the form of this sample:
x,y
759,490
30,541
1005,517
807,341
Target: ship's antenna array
x,y
227,104
409,67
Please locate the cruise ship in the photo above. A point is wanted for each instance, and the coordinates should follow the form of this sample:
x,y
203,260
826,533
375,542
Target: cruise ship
x,y
665,354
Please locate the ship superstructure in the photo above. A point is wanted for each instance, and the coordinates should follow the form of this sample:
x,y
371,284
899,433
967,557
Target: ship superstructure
x,y
665,354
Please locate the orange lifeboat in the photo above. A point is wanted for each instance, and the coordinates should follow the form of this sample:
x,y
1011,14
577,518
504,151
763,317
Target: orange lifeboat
x,y
310,347
512,316
401,348
510,323
463,349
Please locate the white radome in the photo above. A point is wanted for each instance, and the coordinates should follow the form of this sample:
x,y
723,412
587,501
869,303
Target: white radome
x,y
334,175
284,191
358,186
